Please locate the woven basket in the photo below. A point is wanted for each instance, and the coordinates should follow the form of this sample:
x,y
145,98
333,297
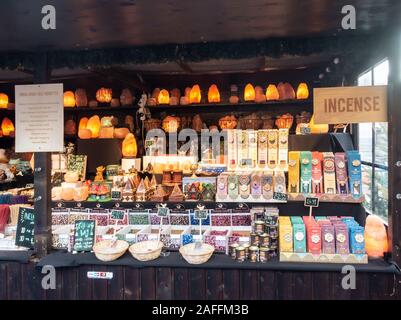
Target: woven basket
x,y
193,256
146,250
105,252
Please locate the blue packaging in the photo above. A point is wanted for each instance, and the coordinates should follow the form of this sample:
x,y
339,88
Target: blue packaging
x,y
354,173
357,240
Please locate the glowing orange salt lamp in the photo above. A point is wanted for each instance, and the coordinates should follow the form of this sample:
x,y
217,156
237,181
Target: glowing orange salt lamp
x,y
302,91
3,101
129,146
69,99
376,242
195,94
83,123
163,97
104,95
7,127
249,93
94,126
213,95
272,93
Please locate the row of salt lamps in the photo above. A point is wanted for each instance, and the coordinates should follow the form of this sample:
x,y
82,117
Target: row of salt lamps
x,y
272,93
7,127
103,95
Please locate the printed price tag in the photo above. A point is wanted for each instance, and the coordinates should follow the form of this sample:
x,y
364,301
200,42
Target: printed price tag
x,y
117,214
201,214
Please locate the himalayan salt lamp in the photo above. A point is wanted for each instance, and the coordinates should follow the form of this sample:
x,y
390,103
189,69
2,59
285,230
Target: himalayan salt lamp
x,y
272,93
106,122
115,102
286,91
163,97
174,101
81,194
120,133
3,101
155,93
184,101
67,194
197,123
94,126
81,100
129,121
259,95
93,104
175,93
7,127
104,95
106,133
302,91
84,134
126,97
70,127
82,123
375,237
171,124
317,128
213,95
69,99
249,92
195,94
129,146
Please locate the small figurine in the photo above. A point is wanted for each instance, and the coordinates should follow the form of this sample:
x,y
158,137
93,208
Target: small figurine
x,y
99,174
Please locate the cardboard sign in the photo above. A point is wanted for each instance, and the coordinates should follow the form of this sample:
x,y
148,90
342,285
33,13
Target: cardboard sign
x,y
39,118
117,214
84,235
311,202
201,214
25,228
350,104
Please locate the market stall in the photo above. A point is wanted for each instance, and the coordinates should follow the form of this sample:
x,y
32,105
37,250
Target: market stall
x,y
201,171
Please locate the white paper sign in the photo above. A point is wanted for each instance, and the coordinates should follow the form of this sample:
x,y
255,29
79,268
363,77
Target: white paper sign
x,y
39,118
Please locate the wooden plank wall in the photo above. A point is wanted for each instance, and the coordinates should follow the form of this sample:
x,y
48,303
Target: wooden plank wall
x,y
23,281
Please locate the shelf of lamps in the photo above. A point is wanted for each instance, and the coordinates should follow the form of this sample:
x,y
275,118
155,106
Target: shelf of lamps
x,y
101,109
333,198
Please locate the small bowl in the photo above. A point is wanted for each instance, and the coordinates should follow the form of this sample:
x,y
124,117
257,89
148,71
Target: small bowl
x,y
105,252
200,256
146,250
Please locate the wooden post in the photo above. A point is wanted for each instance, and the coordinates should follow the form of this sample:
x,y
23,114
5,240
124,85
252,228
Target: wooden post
x,y
42,176
394,132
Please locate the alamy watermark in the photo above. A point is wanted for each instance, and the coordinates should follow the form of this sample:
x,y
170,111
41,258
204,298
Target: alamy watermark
x,y
348,282
49,278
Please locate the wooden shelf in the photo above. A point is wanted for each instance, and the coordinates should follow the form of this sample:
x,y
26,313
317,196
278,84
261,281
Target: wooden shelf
x,y
331,198
101,109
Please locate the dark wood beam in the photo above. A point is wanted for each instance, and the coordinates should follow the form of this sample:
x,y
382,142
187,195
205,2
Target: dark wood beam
x,y
184,66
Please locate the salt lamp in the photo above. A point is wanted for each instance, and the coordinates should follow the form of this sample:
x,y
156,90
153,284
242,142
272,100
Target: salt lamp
x,y
129,146
376,242
195,94
82,123
3,101
81,193
81,100
272,93
56,193
302,91
69,99
67,194
213,94
120,133
115,102
259,95
93,104
286,91
70,127
184,101
71,176
249,93
94,126
175,93
104,95
106,121
317,128
171,124
163,97
126,97
106,133
84,134
7,127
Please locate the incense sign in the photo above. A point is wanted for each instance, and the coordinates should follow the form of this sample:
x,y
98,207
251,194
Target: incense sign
x,y
350,104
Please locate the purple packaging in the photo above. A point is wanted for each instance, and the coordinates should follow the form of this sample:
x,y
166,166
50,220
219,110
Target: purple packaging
x,y
328,243
342,238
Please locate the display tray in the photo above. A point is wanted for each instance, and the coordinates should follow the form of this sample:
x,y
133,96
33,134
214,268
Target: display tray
x,y
324,258
333,198
217,261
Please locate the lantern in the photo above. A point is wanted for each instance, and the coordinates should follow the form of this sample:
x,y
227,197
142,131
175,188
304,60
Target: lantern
x,y
375,237
213,94
129,146
104,95
3,101
7,127
163,97
94,126
83,123
195,94
272,93
302,91
249,93
69,99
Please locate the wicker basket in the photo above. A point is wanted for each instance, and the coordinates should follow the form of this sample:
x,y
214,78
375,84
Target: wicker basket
x,y
104,251
200,256
146,250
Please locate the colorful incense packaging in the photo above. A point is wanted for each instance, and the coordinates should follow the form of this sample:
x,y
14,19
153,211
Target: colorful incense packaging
x,y
262,149
279,182
329,174
232,147
283,149
244,184
328,239
293,171
317,174
313,233
253,148
285,237
272,146
342,238
306,172
267,185
357,240
256,185
299,237
341,173
354,173
222,186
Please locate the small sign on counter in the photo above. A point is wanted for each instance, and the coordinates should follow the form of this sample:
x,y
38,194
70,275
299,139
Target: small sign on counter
x,y
25,228
84,235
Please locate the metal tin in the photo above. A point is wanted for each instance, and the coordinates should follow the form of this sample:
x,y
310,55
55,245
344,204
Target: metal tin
x,y
272,231
264,254
272,253
231,250
264,240
253,253
255,240
273,243
259,226
240,254
246,247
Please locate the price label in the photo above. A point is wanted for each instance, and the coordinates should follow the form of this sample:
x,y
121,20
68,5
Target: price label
x,y
201,214
279,196
84,235
311,202
25,228
117,214
163,211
